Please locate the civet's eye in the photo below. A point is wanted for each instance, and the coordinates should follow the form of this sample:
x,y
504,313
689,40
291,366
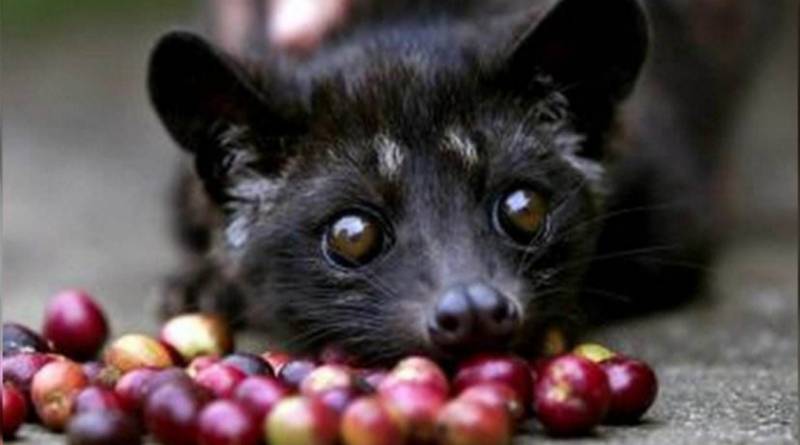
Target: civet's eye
x,y
353,239
521,214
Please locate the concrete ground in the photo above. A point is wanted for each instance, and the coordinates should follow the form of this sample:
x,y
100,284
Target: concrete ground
x,y
85,167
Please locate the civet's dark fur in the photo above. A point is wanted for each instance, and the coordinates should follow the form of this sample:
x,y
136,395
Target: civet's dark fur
x,y
280,146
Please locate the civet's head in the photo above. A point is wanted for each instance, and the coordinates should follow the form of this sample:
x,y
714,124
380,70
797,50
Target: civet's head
x,y
417,192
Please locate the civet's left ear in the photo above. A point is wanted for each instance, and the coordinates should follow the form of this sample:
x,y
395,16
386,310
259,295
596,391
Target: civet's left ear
x,y
592,49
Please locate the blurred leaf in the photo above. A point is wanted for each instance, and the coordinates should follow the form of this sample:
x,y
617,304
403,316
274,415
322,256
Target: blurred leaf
x,y
37,16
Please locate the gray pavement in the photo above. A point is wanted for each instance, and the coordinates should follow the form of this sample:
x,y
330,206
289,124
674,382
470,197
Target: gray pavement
x,y
85,167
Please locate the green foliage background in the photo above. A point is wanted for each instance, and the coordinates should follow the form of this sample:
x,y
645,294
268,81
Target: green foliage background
x,y
28,18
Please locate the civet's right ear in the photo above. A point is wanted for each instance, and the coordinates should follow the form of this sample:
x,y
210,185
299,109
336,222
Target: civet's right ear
x,y
195,88
209,103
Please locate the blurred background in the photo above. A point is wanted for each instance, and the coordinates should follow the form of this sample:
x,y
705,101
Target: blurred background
x,y
86,169
86,165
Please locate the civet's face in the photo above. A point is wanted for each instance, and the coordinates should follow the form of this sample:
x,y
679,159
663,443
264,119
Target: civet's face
x,y
411,207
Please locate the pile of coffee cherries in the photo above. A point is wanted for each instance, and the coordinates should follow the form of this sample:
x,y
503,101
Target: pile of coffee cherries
x,y
188,387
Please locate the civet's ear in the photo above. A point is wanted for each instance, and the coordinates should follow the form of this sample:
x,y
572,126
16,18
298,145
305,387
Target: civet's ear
x,y
194,88
212,108
592,49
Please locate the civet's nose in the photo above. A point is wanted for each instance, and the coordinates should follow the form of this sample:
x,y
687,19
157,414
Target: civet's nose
x,y
472,315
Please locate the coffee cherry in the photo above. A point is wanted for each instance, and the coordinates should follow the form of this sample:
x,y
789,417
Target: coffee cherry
x,y
414,408
594,352
417,362
134,351
200,363
259,394
95,398
53,392
276,360
338,399
175,356
193,335
130,389
470,422
92,370
103,428
250,364
101,375
75,325
18,338
496,395
20,369
633,387
14,410
220,379
571,396
164,376
508,370
370,379
367,422
295,371
324,378
171,412
225,422
134,387
301,421
417,370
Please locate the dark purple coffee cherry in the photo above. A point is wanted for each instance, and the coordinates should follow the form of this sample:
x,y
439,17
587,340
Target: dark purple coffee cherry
x,y
295,371
103,428
338,399
250,364
20,369
171,412
18,338
95,398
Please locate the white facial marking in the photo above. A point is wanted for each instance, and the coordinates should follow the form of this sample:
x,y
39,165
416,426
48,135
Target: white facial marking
x,y
390,157
594,171
236,232
459,144
252,192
